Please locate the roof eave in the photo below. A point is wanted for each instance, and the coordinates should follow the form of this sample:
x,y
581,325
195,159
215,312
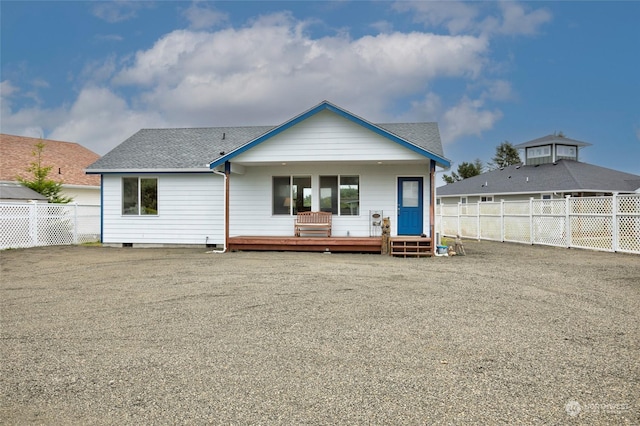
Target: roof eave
x,y
204,169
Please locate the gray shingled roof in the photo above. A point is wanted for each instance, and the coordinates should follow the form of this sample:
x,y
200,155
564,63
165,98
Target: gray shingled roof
x,y
563,176
193,149
424,135
551,139
13,191
167,149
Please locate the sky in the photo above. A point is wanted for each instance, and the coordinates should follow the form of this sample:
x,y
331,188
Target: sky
x,y
487,72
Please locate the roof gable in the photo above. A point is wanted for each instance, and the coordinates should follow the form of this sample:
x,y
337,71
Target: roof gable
x,y
327,106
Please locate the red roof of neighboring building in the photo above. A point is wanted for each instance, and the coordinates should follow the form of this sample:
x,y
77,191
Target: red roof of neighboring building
x,y
68,160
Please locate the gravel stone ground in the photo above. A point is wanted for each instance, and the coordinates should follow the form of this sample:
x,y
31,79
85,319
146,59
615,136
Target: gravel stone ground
x,y
509,334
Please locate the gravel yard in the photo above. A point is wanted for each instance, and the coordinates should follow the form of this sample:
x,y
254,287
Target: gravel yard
x,y
510,334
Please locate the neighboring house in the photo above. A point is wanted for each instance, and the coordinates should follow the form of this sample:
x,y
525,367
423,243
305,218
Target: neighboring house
x,y
550,170
205,185
67,159
15,193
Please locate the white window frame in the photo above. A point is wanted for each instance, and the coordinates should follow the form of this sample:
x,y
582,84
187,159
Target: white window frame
x,y
140,211
566,151
539,151
487,199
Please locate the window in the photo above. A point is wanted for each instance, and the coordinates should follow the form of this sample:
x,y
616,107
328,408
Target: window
x,y
281,195
486,199
340,195
329,194
349,195
139,196
566,151
301,191
539,151
291,194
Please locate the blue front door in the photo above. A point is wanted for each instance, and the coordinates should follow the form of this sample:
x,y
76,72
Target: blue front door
x,y
410,206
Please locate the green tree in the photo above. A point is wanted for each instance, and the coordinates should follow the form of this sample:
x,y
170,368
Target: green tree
x,y
40,181
465,170
506,155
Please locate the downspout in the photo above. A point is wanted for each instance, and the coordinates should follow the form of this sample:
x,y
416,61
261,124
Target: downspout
x,y
225,175
432,202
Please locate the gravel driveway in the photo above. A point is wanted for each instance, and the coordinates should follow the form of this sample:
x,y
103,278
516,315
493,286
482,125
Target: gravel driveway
x,y
509,334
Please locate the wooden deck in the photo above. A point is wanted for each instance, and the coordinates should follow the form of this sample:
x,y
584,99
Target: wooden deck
x,y
319,244
400,246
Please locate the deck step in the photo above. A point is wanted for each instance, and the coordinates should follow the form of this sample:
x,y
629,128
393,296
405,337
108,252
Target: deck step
x,y
411,247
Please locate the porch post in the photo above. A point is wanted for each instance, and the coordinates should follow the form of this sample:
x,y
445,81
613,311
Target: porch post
x,y
227,174
432,203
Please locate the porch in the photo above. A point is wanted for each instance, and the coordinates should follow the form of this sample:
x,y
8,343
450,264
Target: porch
x,y
400,246
320,244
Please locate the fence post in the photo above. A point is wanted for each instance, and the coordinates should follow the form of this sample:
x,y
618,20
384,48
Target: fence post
x,y
567,221
615,230
478,221
502,220
33,223
531,239
75,223
459,213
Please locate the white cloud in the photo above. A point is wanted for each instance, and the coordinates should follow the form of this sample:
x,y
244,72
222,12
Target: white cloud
x,y
270,68
7,89
382,26
118,10
498,90
201,16
516,19
511,18
456,16
467,118
197,75
100,120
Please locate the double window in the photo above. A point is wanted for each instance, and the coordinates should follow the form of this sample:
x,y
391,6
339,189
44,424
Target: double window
x,y
539,151
139,196
339,195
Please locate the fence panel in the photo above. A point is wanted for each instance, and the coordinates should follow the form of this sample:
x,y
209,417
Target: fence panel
x,y
628,223
597,223
38,224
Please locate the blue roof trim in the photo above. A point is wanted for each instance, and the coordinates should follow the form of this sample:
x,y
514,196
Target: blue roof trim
x,y
325,105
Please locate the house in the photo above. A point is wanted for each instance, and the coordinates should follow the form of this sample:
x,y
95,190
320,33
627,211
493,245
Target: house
x,y
67,159
215,185
551,169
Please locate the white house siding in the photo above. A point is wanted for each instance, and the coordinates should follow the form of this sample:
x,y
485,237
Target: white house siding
x,y
190,209
251,197
327,137
88,195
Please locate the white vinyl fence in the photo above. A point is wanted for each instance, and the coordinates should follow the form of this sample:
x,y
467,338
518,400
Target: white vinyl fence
x,y
38,224
597,223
